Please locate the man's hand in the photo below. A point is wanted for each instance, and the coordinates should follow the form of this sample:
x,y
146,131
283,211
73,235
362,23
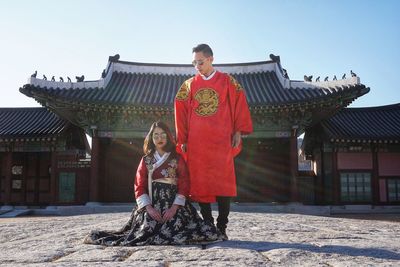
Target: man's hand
x,y
155,214
183,147
237,137
169,213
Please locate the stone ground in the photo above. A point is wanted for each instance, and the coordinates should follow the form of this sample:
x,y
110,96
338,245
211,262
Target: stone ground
x,y
256,239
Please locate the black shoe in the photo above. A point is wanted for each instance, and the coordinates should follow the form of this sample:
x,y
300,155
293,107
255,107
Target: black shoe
x,y
222,234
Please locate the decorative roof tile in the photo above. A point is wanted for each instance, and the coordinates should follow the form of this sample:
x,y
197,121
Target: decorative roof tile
x,y
29,122
147,84
371,123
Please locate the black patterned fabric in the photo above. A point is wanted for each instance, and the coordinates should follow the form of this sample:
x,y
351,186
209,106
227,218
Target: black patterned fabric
x,y
186,227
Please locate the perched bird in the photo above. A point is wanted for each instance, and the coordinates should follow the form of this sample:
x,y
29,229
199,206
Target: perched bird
x,y
61,79
308,78
285,74
326,79
274,58
334,78
317,80
353,74
103,74
114,58
69,79
44,77
80,79
53,79
344,76
34,75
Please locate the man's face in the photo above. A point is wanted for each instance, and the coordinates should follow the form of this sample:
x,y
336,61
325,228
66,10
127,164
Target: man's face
x,y
202,63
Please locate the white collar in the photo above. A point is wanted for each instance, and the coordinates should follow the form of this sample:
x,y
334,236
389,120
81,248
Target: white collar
x,y
160,159
209,77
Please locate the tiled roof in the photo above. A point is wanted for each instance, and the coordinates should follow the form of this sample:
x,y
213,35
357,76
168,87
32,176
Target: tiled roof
x,y
29,122
146,84
371,123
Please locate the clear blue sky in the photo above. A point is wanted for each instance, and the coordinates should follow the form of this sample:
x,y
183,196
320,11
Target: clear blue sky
x,y
320,38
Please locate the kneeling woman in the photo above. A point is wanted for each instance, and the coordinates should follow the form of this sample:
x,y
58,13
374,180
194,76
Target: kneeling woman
x,y
163,215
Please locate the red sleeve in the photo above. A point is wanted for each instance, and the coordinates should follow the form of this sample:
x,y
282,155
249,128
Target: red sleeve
x,y
181,106
141,179
242,119
183,178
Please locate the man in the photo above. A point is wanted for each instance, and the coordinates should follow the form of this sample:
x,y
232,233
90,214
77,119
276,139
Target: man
x,y
211,115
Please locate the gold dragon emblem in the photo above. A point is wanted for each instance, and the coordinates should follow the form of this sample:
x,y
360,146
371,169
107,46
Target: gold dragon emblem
x,y
208,102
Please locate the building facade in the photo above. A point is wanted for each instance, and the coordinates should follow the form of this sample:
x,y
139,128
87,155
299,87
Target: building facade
x,y
118,109
42,159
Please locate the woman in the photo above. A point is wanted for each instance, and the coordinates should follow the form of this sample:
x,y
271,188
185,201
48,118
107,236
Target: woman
x,y
163,215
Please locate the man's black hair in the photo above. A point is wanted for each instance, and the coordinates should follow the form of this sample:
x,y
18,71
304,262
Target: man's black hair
x,y
205,48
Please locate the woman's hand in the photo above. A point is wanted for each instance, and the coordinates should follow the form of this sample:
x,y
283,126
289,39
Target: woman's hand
x,y
169,213
155,214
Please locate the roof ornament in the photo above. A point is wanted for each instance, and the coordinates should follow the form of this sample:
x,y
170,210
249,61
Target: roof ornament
x,y
53,79
44,77
274,58
34,74
353,74
344,76
69,79
103,74
80,79
285,74
114,58
326,78
334,78
308,78
61,79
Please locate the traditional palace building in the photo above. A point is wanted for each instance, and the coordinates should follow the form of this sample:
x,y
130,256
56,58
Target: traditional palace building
x,y
118,109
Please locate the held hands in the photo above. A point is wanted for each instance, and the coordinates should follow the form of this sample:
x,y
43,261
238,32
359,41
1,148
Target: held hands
x,y
156,215
169,213
237,137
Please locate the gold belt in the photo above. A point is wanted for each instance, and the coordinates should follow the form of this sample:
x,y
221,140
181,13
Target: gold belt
x,y
166,180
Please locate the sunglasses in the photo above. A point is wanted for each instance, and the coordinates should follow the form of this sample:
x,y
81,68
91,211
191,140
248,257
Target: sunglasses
x,y
198,62
161,135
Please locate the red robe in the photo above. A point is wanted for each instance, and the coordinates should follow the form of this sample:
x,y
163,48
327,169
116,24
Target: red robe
x,y
207,114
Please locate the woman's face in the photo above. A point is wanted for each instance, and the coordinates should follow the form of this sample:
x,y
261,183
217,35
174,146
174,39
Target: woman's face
x,y
159,138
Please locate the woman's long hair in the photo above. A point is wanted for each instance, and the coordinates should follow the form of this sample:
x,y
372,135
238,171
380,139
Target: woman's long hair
x,y
149,146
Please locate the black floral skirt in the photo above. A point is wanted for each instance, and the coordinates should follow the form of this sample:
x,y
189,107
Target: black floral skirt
x,y
186,227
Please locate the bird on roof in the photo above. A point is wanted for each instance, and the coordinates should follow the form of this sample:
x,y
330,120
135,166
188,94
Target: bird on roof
x,y
285,74
308,78
80,79
334,78
317,80
353,74
44,77
61,79
274,58
344,76
326,78
69,79
114,58
53,79
103,74
34,74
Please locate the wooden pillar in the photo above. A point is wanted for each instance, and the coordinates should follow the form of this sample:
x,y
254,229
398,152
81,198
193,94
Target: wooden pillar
x,y
94,170
294,190
53,177
7,189
375,176
335,178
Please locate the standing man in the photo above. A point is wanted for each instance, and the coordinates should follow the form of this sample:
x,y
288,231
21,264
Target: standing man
x,y
211,115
